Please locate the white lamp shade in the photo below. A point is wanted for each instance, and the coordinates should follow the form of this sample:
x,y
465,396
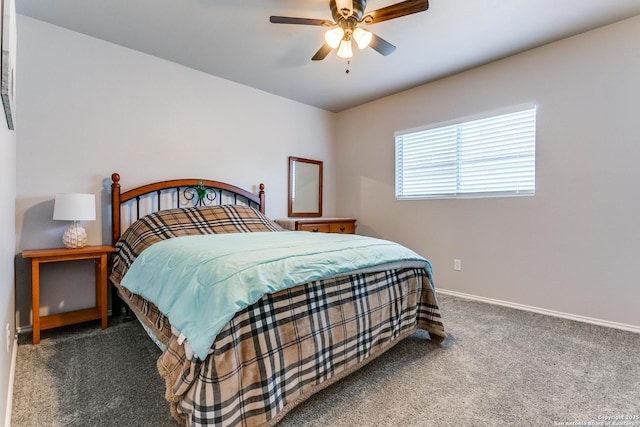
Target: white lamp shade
x,y
75,207
344,51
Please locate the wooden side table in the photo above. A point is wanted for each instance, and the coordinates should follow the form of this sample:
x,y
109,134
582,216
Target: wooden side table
x,y
40,256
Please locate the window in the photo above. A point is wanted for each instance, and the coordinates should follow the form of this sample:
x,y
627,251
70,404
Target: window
x,y
492,156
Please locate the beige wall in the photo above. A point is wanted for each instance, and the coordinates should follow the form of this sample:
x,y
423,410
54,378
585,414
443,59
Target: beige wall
x,y
573,247
90,108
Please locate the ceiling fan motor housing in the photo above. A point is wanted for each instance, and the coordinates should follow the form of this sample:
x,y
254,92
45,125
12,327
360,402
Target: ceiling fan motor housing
x,y
358,10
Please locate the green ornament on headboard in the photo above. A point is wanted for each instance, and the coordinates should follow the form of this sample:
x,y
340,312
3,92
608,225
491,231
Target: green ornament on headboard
x,y
201,191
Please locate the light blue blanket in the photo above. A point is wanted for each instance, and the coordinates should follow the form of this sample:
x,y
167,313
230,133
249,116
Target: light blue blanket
x,y
200,282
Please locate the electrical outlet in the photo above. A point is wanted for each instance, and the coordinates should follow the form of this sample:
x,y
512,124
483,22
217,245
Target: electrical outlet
x,y
457,265
8,335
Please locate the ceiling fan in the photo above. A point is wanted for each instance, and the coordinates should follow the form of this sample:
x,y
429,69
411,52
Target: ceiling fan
x,y
347,14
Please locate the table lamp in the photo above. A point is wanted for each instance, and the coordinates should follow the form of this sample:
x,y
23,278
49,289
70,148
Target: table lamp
x,y
74,207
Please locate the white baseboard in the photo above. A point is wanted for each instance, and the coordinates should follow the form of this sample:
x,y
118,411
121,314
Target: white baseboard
x,y
600,322
12,375
23,329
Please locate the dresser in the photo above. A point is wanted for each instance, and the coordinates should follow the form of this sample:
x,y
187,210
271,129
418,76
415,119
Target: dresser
x,y
320,225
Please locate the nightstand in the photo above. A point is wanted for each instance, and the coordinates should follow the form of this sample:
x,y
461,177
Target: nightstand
x,y
320,225
41,256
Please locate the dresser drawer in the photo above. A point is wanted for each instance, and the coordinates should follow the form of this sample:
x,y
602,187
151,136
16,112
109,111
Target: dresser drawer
x,y
320,225
342,227
315,227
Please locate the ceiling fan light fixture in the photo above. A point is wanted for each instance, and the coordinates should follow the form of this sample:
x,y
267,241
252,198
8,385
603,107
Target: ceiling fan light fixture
x,y
345,51
333,37
362,37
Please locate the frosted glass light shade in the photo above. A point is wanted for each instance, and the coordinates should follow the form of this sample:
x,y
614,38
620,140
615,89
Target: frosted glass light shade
x,y
362,37
74,207
344,51
333,37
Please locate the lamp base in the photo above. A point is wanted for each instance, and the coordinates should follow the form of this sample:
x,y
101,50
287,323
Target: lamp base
x,y
75,236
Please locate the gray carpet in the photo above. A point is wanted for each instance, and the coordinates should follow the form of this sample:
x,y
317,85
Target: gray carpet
x,y
499,367
83,376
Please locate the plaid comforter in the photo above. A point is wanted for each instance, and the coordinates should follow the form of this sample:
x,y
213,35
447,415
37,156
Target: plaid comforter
x,y
279,351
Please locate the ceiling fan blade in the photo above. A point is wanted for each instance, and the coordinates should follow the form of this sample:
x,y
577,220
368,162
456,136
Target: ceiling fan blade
x,y
397,10
322,53
300,21
380,45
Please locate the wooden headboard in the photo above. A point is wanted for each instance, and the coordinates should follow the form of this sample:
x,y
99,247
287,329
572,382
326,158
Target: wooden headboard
x,y
174,193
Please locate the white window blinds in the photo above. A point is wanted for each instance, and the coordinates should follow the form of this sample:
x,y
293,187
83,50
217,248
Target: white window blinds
x,y
493,156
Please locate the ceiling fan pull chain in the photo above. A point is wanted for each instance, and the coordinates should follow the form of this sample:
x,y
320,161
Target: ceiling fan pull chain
x,y
347,70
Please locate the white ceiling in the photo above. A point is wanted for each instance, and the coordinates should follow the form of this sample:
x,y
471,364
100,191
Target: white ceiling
x,y
234,39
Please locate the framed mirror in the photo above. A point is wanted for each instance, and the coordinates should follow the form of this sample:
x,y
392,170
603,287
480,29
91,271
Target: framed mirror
x,y
305,187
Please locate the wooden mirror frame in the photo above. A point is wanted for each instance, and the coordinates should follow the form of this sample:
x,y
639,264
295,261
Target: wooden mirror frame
x,y
292,181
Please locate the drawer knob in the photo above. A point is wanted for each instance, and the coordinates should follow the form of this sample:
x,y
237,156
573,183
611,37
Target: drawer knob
x,y
341,228
315,230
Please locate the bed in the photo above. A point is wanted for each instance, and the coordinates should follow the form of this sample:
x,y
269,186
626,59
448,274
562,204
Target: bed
x,y
256,355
